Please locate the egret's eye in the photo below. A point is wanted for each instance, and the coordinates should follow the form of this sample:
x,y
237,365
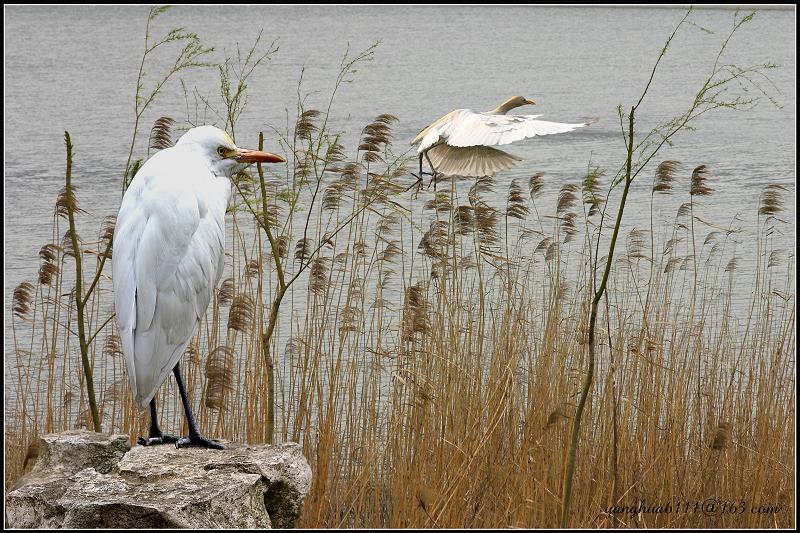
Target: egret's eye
x,y
221,151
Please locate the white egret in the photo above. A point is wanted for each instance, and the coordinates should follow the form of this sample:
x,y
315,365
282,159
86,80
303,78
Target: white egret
x,y
460,143
169,251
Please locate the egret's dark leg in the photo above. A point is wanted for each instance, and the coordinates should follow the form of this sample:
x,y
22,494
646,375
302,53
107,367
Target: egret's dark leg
x,y
418,184
433,170
194,438
422,172
156,436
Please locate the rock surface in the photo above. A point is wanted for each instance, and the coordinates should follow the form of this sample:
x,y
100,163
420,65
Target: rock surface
x,y
88,480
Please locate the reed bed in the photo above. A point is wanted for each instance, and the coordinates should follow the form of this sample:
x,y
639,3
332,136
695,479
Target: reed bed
x,y
428,350
430,368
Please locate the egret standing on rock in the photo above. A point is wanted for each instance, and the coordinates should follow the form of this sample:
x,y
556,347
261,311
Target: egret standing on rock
x,y
459,143
169,251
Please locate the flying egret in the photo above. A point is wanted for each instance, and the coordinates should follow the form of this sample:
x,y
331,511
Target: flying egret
x,y
169,251
460,143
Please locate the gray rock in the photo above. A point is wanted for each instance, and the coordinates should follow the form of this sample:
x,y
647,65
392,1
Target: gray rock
x,y
88,480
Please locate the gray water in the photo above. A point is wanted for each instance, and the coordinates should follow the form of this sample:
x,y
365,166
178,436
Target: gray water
x,y
74,68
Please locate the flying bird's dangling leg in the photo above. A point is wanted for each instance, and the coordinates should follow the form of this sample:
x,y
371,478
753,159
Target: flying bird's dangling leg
x,y
194,438
418,184
433,170
156,436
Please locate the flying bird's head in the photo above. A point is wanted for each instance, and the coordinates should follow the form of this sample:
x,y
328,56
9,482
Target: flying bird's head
x,y
518,101
221,153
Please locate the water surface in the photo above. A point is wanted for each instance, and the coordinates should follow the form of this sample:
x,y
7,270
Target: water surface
x,y
74,68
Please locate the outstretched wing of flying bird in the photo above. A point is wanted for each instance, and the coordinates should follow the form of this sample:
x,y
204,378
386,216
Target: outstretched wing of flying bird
x,y
470,161
483,129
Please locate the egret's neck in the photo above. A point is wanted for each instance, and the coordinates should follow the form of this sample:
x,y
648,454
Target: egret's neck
x,y
504,108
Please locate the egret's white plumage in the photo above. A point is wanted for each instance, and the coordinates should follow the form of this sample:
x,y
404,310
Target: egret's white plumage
x,y
169,250
459,143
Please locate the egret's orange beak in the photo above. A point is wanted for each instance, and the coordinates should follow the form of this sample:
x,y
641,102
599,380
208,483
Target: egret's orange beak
x,y
530,102
256,156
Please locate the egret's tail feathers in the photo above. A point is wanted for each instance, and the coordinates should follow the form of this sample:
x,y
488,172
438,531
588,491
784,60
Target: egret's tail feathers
x,y
148,368
470,161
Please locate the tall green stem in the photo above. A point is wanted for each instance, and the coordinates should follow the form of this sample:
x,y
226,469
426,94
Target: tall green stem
x,y
569,469
276,304
80,302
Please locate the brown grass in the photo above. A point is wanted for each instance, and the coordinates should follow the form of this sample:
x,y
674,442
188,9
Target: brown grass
x,y
431,390
430,355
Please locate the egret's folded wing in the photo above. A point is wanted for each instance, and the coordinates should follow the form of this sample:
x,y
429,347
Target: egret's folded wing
x,y
168,256
472,161
475,129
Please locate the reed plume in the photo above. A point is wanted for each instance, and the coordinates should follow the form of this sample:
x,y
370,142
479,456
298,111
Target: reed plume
x,y
772,200
242,313
535,185
699,177
219,376
161,133
516,204
665,176
23,296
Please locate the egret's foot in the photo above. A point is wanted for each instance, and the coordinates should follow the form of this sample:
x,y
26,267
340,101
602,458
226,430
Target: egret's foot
x,y
155,440
418,184
433,181
198,440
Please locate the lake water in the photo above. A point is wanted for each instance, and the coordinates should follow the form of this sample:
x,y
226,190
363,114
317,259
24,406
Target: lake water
x,y
74,68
